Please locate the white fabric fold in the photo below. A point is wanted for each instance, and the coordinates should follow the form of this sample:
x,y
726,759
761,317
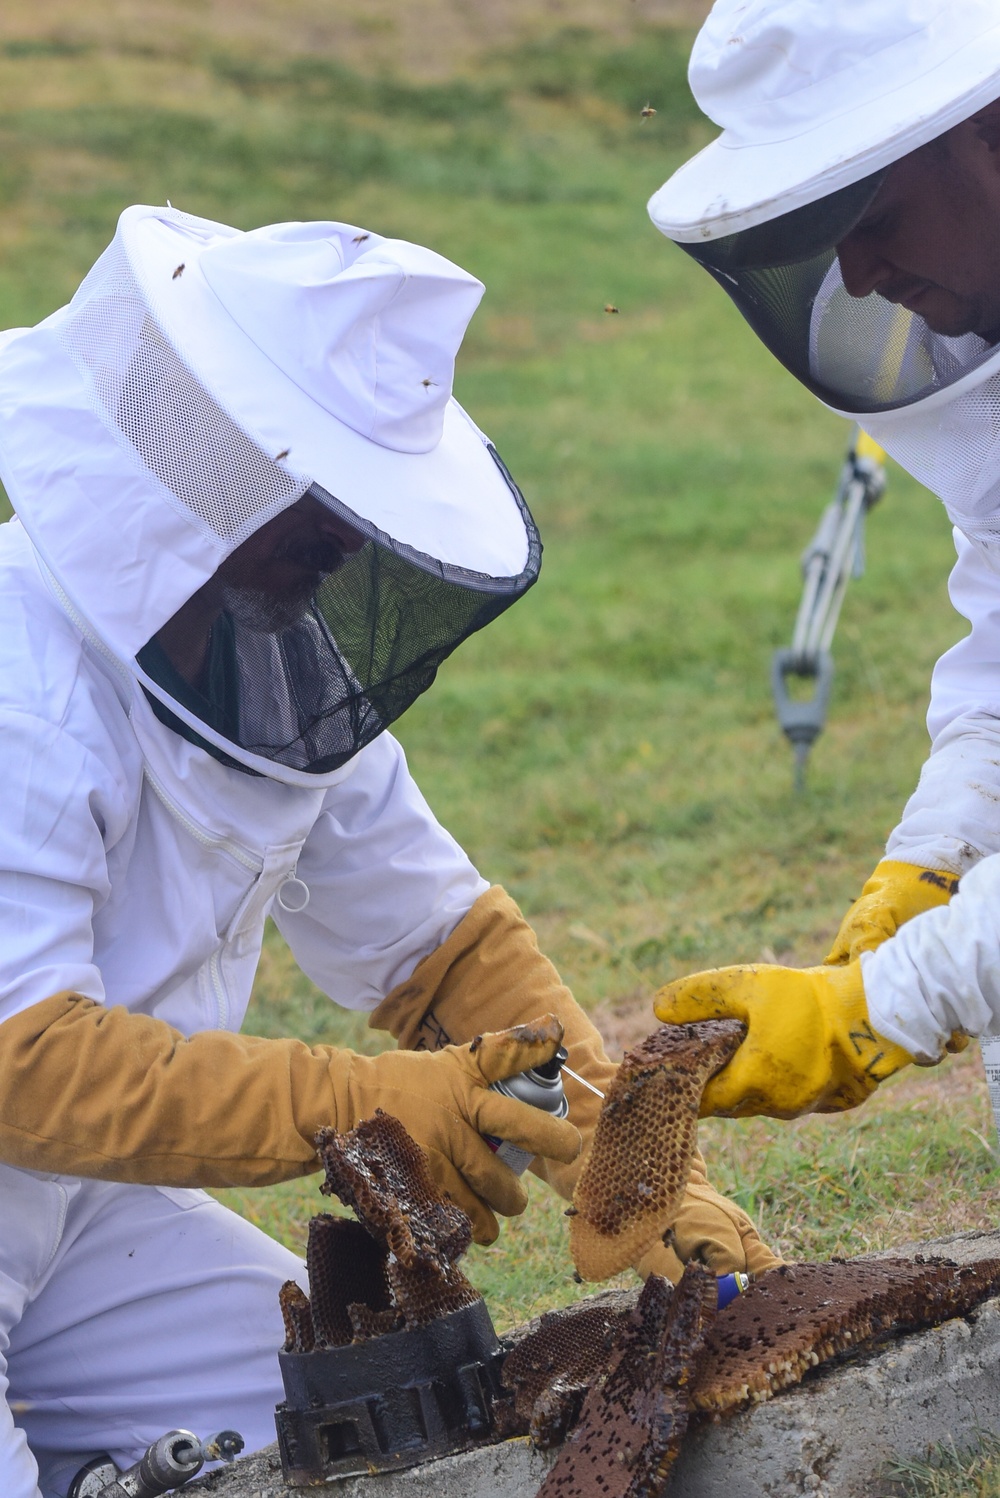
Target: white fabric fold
x,y
941,971
952,820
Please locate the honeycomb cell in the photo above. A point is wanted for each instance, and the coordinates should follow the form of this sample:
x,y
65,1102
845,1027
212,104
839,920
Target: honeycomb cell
x,y
800,1315
674,1358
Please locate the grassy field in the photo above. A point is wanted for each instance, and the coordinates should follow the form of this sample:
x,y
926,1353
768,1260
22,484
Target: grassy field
x,y
607,750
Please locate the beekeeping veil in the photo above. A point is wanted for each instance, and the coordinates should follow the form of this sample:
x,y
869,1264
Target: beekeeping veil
x,y
203,380
817,101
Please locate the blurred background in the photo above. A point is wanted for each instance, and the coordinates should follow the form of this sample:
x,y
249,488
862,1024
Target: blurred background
x,y
608,749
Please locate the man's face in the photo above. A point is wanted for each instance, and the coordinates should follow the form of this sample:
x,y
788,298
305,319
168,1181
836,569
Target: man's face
x,y
930,240
268,581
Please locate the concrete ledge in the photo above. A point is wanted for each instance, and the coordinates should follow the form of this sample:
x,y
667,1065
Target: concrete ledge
x,y
828,1436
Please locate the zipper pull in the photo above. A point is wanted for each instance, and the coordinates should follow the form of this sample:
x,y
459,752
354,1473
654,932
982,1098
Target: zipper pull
x,y
293,893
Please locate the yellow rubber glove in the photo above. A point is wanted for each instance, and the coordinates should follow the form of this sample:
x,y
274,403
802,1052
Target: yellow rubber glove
x,y
894,894
810,1046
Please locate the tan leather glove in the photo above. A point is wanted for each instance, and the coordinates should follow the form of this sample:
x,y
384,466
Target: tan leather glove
x,y
711,1229
894,894
490,971
91,1091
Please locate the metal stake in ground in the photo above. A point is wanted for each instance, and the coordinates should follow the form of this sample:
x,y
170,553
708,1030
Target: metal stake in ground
x,y
834,555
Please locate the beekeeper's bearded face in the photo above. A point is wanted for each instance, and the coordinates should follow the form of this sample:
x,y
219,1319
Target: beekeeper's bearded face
x,y
930,241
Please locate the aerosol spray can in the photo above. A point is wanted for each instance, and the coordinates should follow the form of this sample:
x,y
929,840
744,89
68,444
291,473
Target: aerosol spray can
x,y
542,1087
990,1047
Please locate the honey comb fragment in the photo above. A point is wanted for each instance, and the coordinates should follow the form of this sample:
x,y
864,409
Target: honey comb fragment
x,y
557,1358
633,1180
297,1316
798,1316
379,1171
633,1419
344,1264
673,1360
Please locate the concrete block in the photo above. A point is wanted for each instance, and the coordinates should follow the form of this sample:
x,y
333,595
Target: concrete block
x,y
828,1436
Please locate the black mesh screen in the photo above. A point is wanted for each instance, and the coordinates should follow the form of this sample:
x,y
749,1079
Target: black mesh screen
x,y
862,354
313,694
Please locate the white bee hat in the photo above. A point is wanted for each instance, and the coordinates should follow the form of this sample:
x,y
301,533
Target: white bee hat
x,y
204,379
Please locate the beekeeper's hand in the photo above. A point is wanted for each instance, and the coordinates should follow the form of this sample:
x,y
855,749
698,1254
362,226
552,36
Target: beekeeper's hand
x,y
894,894
810,1046
444,1100
711,1229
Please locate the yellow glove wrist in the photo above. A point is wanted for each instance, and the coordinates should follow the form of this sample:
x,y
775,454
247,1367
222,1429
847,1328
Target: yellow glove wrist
x,y
894,894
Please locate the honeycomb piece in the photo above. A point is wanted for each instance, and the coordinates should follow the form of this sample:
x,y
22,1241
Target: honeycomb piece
x,y
675,1360
379,1171
633,1180
556,1411
367,1323
297,1316
634,1419
569,1347
344,1264
800,1315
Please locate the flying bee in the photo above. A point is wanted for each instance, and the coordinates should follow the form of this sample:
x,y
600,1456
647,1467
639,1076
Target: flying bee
x,y
610,307
360,238
647,111
283,454
178,272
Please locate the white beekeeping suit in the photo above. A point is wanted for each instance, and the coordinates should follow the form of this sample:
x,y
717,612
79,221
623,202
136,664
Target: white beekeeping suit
x,y
140,433
251,523
851,210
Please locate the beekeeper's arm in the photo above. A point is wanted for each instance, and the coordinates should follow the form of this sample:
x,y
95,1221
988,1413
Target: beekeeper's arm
x,y
89,1088
470,961
952,820
913,975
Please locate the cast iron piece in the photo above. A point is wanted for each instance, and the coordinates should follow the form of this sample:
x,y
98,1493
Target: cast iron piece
x,y
392,1358
388,1402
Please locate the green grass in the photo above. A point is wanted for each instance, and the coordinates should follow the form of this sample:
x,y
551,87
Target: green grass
x,y
949,1472
607,749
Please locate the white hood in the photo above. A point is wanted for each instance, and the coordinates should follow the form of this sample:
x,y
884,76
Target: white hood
x,y
203,380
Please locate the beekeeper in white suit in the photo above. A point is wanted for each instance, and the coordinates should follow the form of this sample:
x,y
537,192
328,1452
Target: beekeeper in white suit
x,y
251,522
851,209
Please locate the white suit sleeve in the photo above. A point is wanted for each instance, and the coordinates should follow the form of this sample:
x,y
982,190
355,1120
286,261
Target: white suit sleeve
x,y
387,884
941,971
952,820
61,806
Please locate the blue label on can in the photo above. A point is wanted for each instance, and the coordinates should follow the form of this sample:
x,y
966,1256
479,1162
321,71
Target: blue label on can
x,y
731,1285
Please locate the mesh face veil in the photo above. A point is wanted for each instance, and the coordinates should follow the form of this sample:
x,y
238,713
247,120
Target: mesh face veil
x,y
850,207
204,392
851,293
860,350
367,642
